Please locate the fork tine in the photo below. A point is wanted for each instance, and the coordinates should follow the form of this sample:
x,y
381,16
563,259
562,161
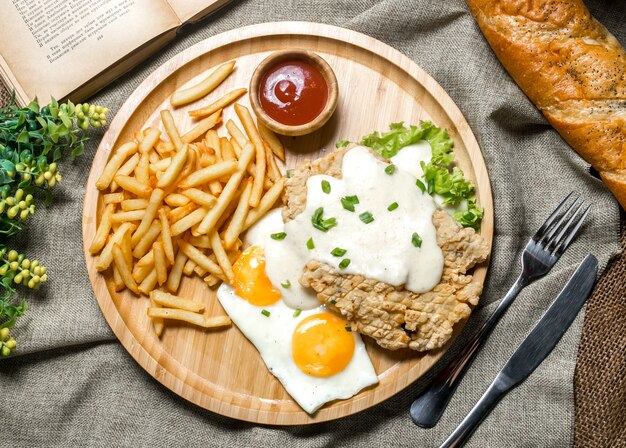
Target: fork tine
x,y
561,223
544,227
553,239
572,233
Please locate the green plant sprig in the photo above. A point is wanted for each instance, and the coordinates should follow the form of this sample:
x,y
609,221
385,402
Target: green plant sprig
x,y
33,141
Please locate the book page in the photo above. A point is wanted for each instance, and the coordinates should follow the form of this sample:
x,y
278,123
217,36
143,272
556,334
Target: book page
x,y
191,10
54,46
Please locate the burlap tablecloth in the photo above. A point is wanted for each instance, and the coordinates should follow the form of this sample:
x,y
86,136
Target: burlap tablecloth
x,y
72,384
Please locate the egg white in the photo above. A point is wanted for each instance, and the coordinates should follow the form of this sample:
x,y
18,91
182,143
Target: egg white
x,y
272,334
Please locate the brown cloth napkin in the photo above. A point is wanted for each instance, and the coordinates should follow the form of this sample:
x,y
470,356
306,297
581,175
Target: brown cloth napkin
x,y
600,375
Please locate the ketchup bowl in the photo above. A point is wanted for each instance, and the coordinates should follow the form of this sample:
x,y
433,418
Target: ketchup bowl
x,y
293,92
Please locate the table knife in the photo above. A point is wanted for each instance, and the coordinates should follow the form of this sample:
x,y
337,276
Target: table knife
x,y
533,350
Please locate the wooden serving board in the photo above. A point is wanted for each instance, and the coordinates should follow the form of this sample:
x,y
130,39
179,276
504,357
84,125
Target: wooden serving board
x,y
220,370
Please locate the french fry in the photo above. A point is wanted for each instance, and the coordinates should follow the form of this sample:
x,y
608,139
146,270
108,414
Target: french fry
x,y
268,200
171,129
145,243
161,165
153,157
102,232
200,197
129,166
157,323
239,217
118,282
200,259
200,242
196,92
116,161
187,316
190,165
211,280
200,271
163,148
211,218
151,137
180,212
175,168
132,185
222,258
206,159
272,141
272,167
208,174
113,198
202,126
141,272
148,283
188,221
134,204
248,124
142,171
138,136
127,249
146,260
160,265
156,197
236,147
123,268
176,200
226,149
224,101
189,267
171,301
236,133
132,215
173,280
166,237
212,140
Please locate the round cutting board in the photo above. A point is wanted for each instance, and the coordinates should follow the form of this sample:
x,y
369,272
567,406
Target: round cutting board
x,y
220,370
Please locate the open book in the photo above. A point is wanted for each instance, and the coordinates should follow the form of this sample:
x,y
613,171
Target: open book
x,y
74,48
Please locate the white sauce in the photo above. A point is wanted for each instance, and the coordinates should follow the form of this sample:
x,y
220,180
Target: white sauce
x,y
382,249
408,158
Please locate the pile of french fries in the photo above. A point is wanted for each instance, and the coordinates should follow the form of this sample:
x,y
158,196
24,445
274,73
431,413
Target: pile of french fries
x,y
178,207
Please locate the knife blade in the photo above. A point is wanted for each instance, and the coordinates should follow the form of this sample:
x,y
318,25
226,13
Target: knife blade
x,y
533,349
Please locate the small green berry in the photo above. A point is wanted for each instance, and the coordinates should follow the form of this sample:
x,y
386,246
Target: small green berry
x,y
11,343
13,255
4,334
14,265
18,278
24,214
44,277
6,351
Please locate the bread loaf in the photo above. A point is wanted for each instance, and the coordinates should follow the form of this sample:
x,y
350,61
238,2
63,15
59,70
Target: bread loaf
x,y
572,69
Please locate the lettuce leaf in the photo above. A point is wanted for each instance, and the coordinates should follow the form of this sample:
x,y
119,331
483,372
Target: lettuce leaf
x,y
440,176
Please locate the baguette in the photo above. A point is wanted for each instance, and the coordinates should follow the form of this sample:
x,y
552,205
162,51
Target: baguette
x,y
572,69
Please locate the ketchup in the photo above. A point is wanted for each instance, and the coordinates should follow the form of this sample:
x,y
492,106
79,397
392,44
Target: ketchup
x,y
293,92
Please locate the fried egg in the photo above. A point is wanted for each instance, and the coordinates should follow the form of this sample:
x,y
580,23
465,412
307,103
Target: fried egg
x,y
311,351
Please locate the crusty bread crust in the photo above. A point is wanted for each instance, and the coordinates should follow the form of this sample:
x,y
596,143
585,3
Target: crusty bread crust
x,y
572,69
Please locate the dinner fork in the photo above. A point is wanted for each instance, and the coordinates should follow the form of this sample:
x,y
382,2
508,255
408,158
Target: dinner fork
x,y
541,253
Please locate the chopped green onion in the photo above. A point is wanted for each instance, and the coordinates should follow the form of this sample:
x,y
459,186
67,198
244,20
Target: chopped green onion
x,y
297,312
344,263
320,223
431,186
420,185
310,244
278,236
332,302
392,206
265,313
338,252
286,284
390,169
349,329
326,186
349,201
288,174
342,143
416,240
366,217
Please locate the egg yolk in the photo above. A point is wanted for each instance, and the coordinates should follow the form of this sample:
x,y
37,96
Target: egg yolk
x,y
321,346
251,281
